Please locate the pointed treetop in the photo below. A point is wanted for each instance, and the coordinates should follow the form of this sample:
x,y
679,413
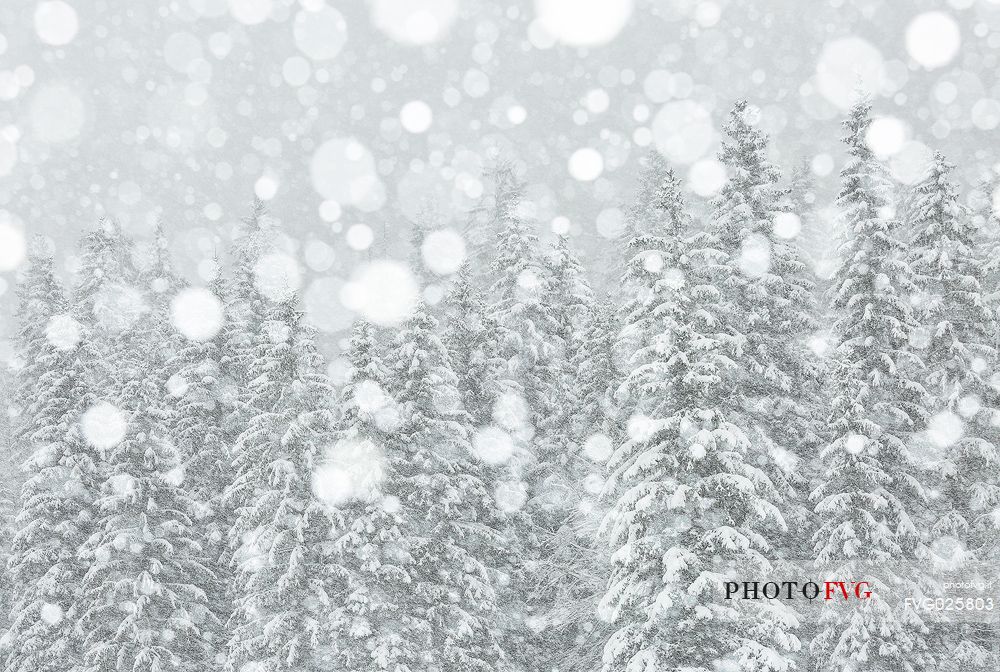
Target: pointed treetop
x,y
249,241
565,264
856,124
463,277
217,282
162,265
741,122
654,161
561,245
937,180
744,152
40,247
986,197
104,247
936,210
507,188
362,347
563,257
669,199
38,275
252,222
504,173
660,203
940,167
802,175
426,221
109,227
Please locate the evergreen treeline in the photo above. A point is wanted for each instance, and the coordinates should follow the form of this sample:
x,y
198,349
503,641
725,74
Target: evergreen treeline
x,y
526,475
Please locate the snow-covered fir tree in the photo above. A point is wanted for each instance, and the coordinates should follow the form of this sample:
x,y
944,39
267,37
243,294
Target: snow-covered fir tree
x,y
367,558
426,221
10,486
597,377
528,411
526,326
147,608
500,203
281,526
243,391
57,512
524,323
957,315
568,303
641,214
103,301
571,302
871,490
474,342
198,396
692,507
597,425
561,595
777,393
446,504
813,237
470,334
771,292
654,250
245,306
145,584
647,205
413,550
573,558
985,206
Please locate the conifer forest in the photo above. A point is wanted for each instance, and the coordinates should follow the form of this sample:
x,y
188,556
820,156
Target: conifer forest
x,y
312,359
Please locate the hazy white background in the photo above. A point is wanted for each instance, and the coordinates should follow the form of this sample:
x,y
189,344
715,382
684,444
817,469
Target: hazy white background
x,y
344,115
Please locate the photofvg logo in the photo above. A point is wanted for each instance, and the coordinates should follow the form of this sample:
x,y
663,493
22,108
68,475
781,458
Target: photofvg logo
x,y
794,590
969,592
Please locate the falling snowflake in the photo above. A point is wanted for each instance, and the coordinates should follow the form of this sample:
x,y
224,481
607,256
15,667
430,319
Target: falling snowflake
x,y
787,225
755,255
855,443
597,447
384,292
683,131
640,427
443,251
933,39
13,247
416,116
586,164
277,276
343,170
103,425
349,470
63,332
492,445
583,22
414,21
51,613
118,307
511,412
369,396
196,313
945,429
510,495
56,22
320,32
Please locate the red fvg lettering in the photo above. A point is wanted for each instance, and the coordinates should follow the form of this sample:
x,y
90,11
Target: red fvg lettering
x,y
861,589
